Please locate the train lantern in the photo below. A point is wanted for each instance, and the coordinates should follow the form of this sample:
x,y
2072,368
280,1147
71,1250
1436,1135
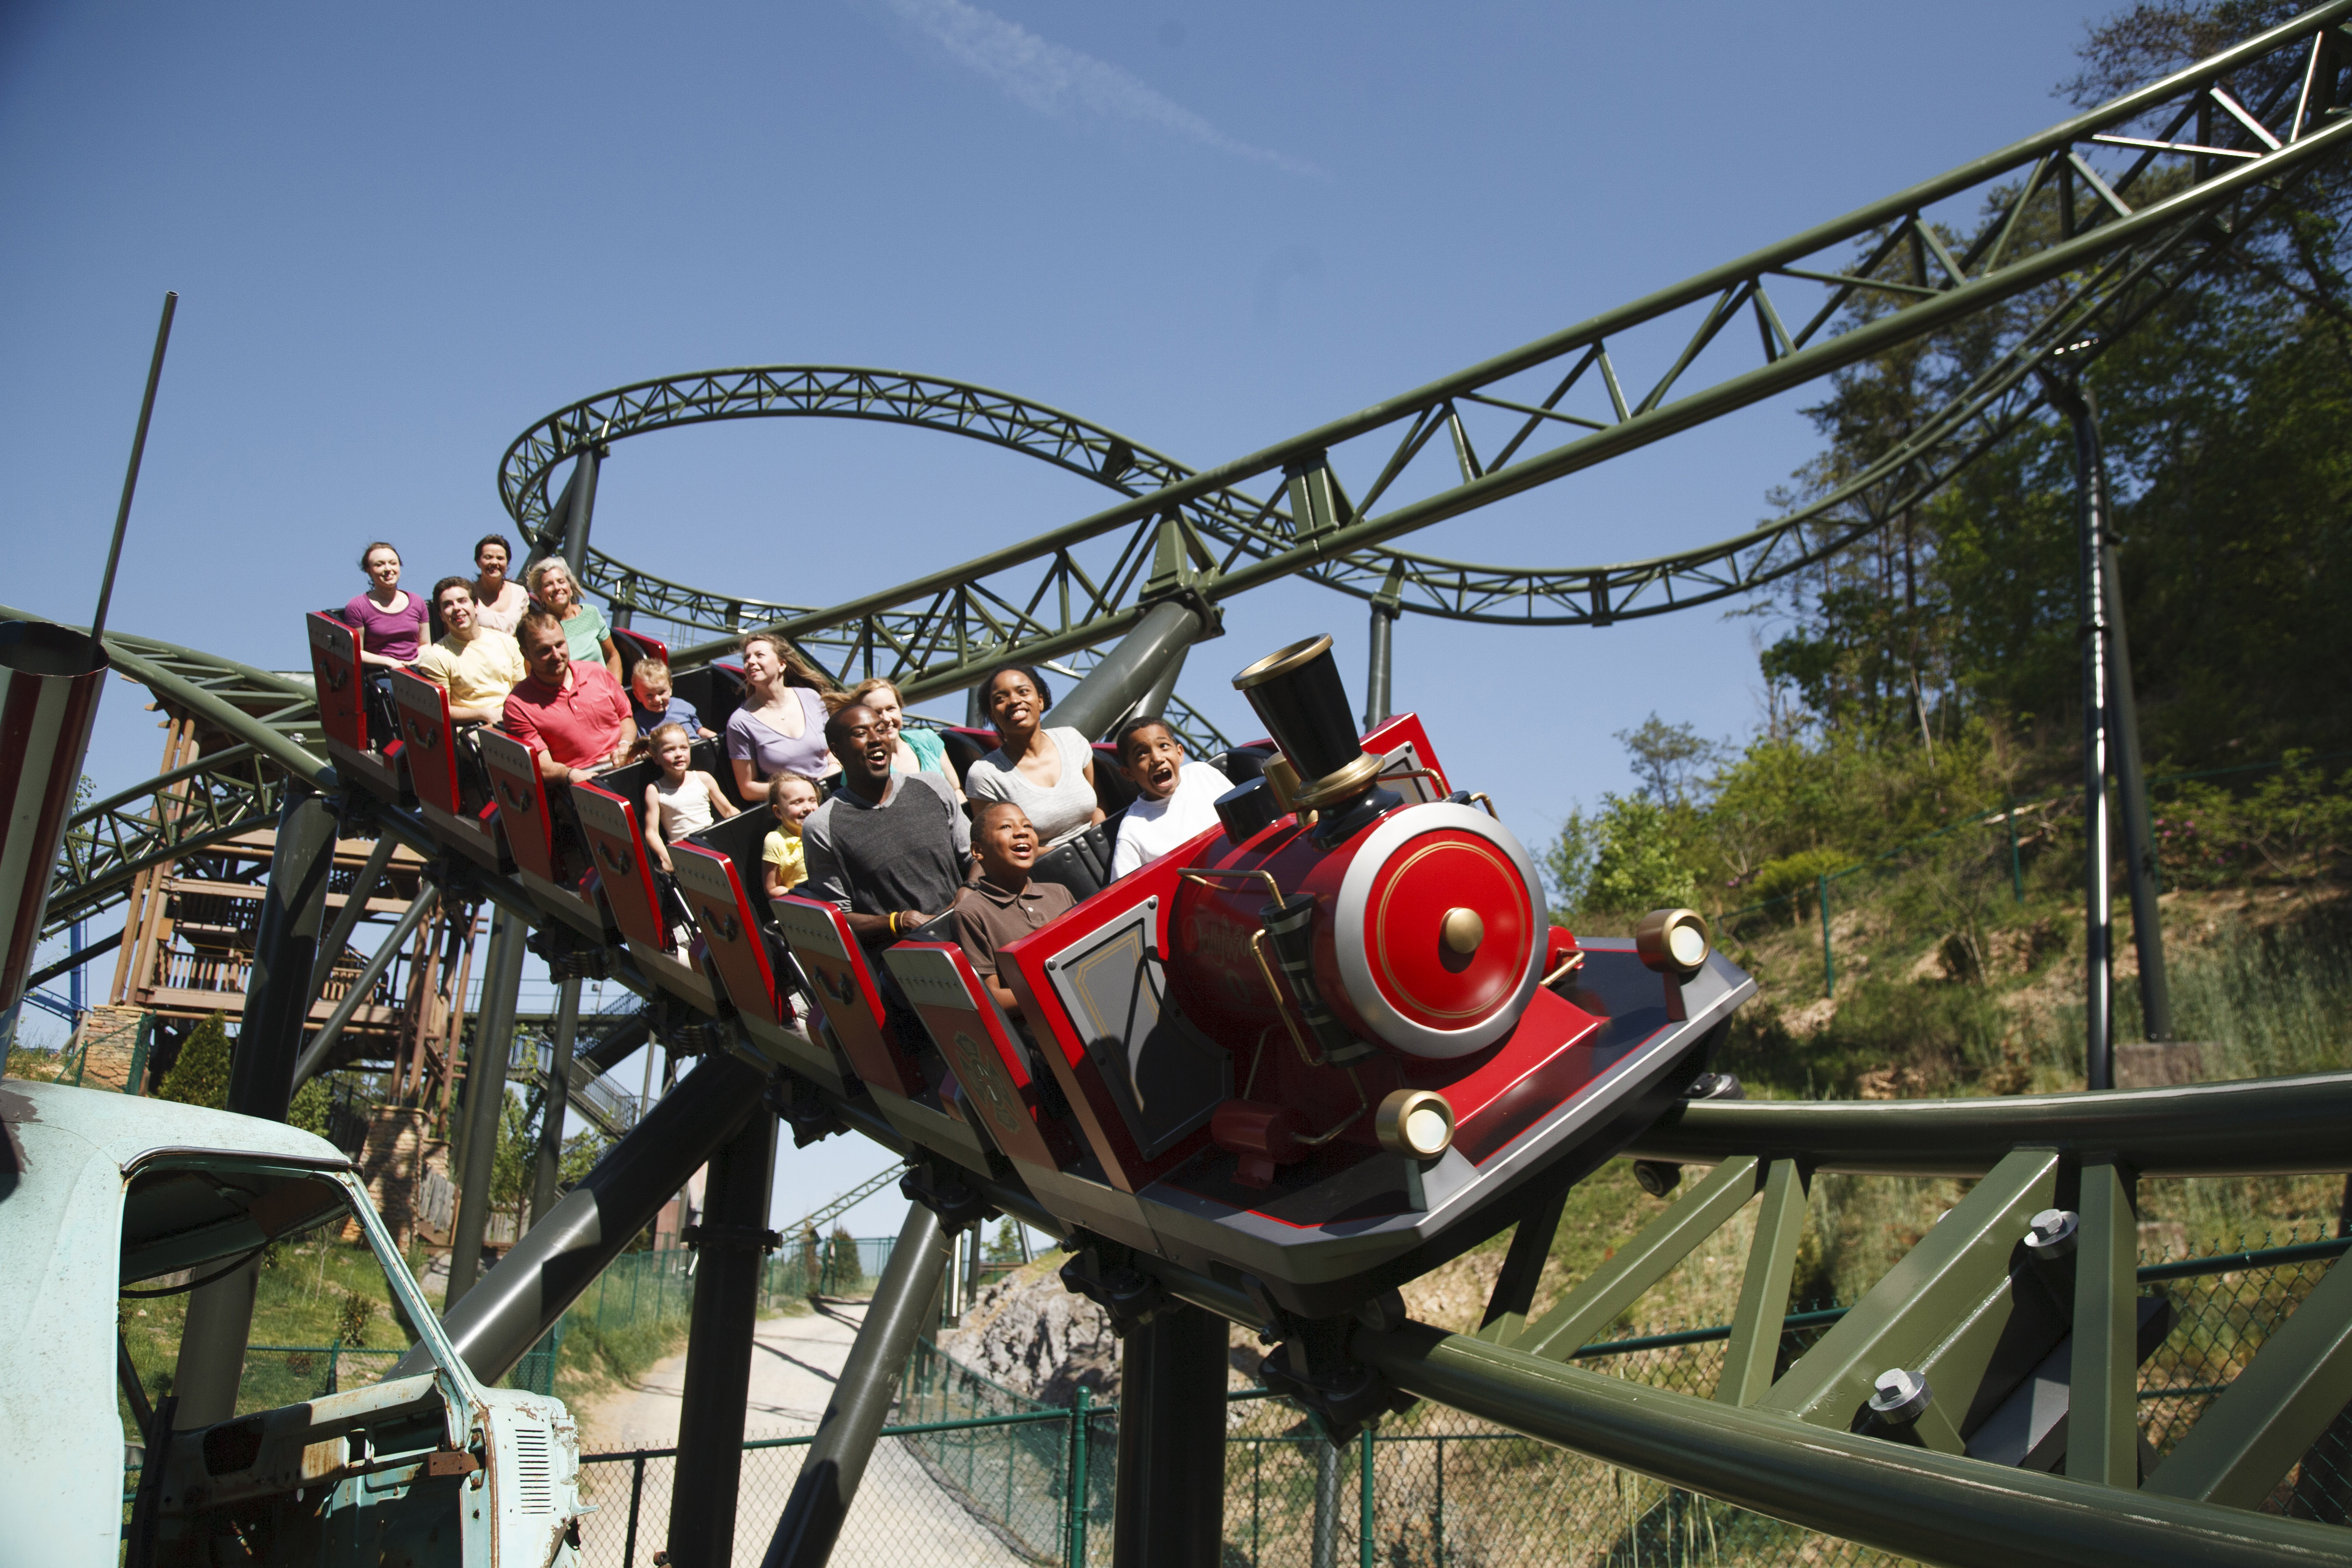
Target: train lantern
x,y
1336,1039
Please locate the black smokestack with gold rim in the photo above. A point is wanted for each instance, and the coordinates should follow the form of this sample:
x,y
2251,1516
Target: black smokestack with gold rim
x,y
1297,693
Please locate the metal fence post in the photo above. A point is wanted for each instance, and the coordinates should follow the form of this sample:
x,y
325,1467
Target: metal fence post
x,y
1076,1556
1437,1512
1829,963
637,1500
2016,867
1364,1498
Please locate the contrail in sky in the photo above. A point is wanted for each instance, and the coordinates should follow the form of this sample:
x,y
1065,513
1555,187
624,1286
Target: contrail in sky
x,y
1053,79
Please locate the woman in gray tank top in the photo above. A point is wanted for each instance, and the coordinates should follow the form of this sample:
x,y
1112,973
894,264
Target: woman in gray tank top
x,y
1048,774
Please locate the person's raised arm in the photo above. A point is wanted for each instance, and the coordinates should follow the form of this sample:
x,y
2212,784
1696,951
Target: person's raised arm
x,y
718,801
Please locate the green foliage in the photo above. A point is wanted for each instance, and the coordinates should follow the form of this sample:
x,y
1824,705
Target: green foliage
x,y
1796,878
199,1075
1630,856
2293,825
313,1103
1669,759
844,1269
1004,1247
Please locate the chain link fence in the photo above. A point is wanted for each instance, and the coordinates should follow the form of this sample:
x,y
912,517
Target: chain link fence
x,y
975,1472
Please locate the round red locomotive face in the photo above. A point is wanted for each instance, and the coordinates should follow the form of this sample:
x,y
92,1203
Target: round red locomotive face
x,y
1438,930
1416,932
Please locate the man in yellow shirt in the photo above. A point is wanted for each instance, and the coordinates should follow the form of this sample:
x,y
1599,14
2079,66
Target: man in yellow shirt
x,y
475,663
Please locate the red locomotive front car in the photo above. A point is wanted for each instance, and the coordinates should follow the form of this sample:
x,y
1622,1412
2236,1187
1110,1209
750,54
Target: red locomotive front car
x,y
1337,1040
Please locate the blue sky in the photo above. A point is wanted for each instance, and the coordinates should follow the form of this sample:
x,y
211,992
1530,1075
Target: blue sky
x,y
403,233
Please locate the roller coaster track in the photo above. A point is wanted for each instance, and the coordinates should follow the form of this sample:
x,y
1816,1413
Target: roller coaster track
x,y
2085,227
1981,1307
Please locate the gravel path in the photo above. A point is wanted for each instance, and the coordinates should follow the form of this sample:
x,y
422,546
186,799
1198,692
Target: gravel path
x,y
901,1518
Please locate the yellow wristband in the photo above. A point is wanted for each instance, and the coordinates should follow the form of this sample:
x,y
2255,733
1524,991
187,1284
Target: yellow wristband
x,y
894,923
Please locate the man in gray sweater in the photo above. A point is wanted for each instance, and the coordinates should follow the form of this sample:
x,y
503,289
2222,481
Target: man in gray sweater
x,y
890,849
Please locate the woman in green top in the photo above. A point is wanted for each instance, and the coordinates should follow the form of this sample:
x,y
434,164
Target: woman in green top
x,y
916,750
583,623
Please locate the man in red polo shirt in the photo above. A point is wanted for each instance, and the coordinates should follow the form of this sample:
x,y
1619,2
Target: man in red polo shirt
x,y
571,711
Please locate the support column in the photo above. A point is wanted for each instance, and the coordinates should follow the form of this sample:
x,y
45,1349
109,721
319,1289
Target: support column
x,y
261,1083
1171,1507
549,1166
558,1259
1386,607
2131,792
732,1239
2099,916
354,910
486,1095
845,1437
1131,669
582,491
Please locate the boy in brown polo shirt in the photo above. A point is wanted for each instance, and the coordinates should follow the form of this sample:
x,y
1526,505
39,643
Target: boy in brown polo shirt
x,y
1003,905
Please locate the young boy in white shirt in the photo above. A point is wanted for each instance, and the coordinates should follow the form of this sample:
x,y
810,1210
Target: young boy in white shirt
x,y
1179,798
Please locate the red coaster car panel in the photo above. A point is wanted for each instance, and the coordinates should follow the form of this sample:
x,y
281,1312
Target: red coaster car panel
x,y
608,820
521,795
847,993
731,932
341,677
982,1047
429,752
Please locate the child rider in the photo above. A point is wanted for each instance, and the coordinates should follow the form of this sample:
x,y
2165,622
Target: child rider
x,y
1179,798
791,796
1004,904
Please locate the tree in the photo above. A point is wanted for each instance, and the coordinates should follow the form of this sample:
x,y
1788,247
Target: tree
x,y
1668,759
1630,856
199,1074
1004,1247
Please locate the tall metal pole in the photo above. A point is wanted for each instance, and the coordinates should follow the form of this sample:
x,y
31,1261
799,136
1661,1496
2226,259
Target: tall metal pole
x,y
2066,395
835,1462
548,1165
732,1240
131,476
2131,791
1169,1508
582,491
1386,607
260,1083
485,1098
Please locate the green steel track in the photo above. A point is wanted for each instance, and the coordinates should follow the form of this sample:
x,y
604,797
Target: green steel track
x,y
1973,1306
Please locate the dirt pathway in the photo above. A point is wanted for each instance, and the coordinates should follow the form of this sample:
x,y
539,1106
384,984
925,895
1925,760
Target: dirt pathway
x,y
902,1518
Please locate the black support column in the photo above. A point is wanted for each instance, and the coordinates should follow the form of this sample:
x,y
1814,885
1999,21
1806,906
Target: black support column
x,y
903,1300
261,1083
732,1239
1170,1512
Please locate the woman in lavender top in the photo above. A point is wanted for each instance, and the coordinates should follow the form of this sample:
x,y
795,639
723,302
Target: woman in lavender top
x,y
780,729
391,623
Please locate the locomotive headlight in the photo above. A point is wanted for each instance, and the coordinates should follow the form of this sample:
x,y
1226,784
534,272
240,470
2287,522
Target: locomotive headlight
x,y
1672,941
1416,1123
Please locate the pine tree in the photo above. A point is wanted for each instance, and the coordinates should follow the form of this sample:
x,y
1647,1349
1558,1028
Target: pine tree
x,y
199,1075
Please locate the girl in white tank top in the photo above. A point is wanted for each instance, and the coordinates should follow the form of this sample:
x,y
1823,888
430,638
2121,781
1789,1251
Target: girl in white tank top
x,y
683,800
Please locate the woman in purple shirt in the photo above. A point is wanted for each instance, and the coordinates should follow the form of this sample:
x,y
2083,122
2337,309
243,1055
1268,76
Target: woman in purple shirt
x,y
391,623
781,726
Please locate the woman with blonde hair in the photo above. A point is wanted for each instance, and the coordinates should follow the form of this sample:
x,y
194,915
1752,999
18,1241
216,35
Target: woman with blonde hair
x,y
551,584
913,750
780,729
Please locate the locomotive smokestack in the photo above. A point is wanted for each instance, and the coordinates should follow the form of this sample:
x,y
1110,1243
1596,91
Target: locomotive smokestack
x,y
1299,696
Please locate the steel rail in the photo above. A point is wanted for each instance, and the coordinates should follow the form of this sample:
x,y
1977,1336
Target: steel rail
x,y
2252,1127
1909,1500
932,633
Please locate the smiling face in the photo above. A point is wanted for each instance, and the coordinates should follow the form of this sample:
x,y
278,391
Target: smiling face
x,y
491,561
382,566
675,754
859,739
457,607
555,589
884,704
1006,842
760,665
794,800
1154,760
1013,705
548,653
653,689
